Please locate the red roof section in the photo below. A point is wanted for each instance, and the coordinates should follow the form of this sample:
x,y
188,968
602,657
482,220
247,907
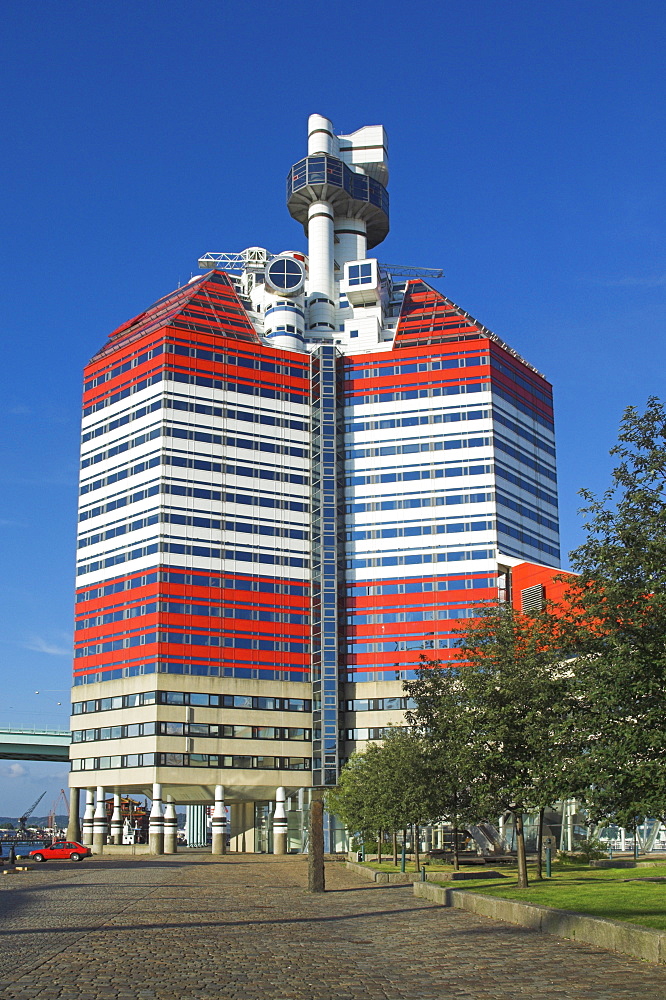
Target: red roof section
x,y
209,304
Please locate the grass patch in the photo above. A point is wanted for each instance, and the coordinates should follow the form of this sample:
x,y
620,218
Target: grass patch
x,y
600,892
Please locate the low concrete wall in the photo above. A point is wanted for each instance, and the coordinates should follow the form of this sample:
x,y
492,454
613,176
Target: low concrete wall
x,y
613,935
391,878
122,850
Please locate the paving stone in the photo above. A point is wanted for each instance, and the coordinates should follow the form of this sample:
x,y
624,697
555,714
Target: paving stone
x,y
243,927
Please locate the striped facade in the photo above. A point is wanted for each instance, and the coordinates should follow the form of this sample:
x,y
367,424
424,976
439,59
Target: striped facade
x,y
287,496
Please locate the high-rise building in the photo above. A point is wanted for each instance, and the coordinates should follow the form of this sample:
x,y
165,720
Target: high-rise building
x,y
299,472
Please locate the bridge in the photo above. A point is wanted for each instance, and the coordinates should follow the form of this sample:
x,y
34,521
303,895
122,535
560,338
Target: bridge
x,y
35,744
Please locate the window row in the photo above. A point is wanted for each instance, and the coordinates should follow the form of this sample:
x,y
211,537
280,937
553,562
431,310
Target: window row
x,y
418,558
207,437
379,705
194,666
415,502
201,551
416,530
264,392
417,447
523,511
225,412
412,475
391,397
389,423
524,459
422,586
129,390
257,364
192,698
192,760
193,580
191,639
203,610
424,366
121,421
398,644
193,521
525,484
533,439
524,407
115,477
121,501
121,447
208,731
235,470
134,362
422,615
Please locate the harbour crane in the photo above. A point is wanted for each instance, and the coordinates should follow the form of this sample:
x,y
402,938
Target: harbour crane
x,y
29,812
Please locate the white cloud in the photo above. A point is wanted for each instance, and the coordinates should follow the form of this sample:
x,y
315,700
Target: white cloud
x,y
40,645
13,771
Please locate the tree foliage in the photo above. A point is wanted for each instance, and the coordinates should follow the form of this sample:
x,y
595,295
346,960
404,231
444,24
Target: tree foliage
x,y
619,624
386,786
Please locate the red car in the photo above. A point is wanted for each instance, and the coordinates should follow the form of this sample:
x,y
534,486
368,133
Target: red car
x,y
61,850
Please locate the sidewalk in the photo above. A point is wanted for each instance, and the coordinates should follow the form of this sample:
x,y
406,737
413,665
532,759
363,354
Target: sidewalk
x,y
244,928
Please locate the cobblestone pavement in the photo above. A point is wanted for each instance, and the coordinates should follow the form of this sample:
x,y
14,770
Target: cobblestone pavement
x,y
193,927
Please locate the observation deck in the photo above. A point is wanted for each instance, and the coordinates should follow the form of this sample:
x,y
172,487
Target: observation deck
x,y
323,177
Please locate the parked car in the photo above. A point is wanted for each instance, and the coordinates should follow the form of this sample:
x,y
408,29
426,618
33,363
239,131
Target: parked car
x,y
61,850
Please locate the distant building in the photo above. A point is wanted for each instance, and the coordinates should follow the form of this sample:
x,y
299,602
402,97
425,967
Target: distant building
x,y
298,471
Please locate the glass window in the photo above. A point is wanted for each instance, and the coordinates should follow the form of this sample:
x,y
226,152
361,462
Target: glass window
x,y
199,699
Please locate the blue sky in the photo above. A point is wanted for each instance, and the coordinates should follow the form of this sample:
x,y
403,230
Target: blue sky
x,y
527,160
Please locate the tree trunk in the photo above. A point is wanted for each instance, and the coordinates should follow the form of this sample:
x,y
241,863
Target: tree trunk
x,y
520,844
417,866
456,857
395,849
379,847
539,863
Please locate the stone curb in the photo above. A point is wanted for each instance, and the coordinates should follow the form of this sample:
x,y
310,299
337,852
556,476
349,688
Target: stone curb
x,y
400,878
613,935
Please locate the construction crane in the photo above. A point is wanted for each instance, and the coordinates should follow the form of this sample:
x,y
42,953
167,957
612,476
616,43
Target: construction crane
x,y
51,822
29,812
257,257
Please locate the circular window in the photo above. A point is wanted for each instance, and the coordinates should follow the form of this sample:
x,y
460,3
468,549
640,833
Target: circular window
x,y
285,275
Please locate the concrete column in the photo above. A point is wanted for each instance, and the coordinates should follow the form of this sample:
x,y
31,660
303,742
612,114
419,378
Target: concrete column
x,y
73,824
219,823
116,820
156,823
100,827
170,827
321,307
279,823
87,833
242,827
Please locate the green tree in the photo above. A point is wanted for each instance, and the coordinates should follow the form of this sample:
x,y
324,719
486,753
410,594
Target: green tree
x,y
386,786
516,696
619,619
438,717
